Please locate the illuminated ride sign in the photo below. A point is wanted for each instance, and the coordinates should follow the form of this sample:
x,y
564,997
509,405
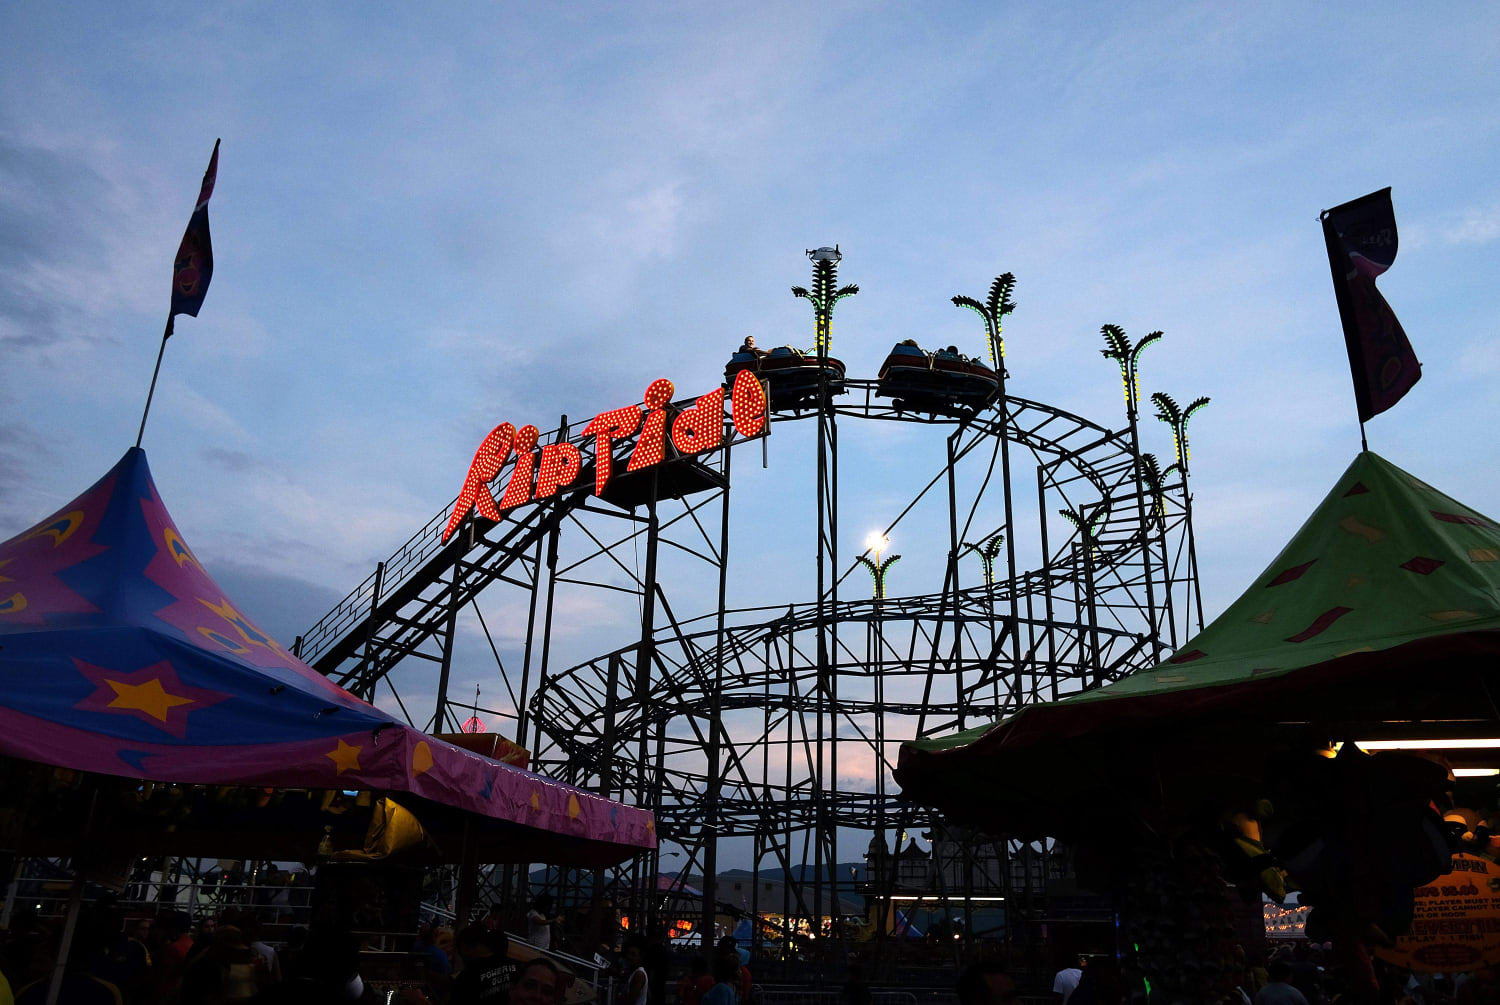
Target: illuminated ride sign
x,y
699,428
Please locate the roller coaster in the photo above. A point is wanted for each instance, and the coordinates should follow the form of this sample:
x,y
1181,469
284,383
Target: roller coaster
x,y
732,723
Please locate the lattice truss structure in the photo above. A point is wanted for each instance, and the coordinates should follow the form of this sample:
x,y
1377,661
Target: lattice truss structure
x,y
732,723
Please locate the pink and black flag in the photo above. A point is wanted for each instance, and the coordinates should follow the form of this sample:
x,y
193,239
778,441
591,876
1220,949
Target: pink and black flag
x,y
1361,239
194,266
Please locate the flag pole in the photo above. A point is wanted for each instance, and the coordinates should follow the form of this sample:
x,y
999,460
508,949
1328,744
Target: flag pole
x,y
154,374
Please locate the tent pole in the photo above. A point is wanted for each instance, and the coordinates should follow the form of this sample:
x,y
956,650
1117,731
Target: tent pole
x,y
10,893
468,877
154,374
75,905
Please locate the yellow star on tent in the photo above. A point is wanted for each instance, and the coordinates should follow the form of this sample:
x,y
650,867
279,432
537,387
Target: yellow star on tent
x,y
150,697
421,758
536,802
345,756
573,808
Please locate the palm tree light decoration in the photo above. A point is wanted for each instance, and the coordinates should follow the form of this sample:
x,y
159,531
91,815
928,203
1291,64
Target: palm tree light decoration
x,y
878,569
1156,487
989,550
1153,481
1088,527
825,293
1118,348
993,310
1168,411
1088,532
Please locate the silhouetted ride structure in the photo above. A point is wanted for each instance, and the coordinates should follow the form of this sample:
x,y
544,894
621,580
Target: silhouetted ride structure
x,y
732,723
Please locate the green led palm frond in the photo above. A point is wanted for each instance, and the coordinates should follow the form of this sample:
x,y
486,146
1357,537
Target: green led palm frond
x,y
989,550
1118,348
1116,344
1170,469
878,572
824,294
1155,481
1166,408
1087,527
993,310
999,301
1100,515
1142,346
973,305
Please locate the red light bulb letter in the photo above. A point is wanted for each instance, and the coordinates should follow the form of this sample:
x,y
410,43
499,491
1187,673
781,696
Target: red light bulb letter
x,y
607,426
747,405
488,460
559,466
701,427
652,445
519,489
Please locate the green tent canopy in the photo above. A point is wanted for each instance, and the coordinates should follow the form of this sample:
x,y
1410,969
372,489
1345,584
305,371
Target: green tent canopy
x,y
1384,606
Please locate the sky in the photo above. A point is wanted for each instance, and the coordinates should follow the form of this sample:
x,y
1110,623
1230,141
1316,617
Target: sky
x,y
432,219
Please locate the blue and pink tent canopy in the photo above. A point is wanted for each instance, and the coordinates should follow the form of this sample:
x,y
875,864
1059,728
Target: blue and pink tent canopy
x,y
120,655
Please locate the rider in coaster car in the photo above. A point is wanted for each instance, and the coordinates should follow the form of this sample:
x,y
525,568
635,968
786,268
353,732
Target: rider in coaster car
x,y
749,346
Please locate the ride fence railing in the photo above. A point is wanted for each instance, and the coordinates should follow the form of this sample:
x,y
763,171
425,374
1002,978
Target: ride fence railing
x,y
274,905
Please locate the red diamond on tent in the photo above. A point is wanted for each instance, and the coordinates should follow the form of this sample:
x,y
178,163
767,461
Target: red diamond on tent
x,y
1188,657
1472,521
1287,575
1320,624
1422,566
1358,490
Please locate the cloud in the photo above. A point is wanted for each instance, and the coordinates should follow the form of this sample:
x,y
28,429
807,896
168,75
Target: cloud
x,y
281,605
20,448
235,461
1475,225
69,250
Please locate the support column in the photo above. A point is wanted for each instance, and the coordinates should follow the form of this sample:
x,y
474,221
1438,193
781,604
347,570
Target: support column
x,y
715,734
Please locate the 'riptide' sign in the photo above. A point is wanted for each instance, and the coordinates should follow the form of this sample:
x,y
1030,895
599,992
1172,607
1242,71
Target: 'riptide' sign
x,y
694,430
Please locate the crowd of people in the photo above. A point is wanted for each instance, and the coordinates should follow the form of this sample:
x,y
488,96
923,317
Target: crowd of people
x,y
1298,973
224,959
115,960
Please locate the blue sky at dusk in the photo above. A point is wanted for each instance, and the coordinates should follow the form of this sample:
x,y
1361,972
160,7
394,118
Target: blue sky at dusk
x,y
433,218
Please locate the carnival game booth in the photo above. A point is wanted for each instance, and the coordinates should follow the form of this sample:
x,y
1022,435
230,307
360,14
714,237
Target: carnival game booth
x,y
1303,741
143,713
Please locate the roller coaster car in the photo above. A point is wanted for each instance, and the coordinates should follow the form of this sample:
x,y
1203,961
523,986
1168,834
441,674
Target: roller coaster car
x,y
937,381
793,375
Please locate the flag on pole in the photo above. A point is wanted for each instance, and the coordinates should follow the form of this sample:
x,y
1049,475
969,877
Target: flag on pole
x,y
194,265
1361,239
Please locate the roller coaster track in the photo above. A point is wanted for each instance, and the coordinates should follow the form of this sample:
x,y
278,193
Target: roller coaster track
x,y
403,604
636,722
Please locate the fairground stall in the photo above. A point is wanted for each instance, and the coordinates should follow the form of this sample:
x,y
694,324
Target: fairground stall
x,y
1313,738
144,715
